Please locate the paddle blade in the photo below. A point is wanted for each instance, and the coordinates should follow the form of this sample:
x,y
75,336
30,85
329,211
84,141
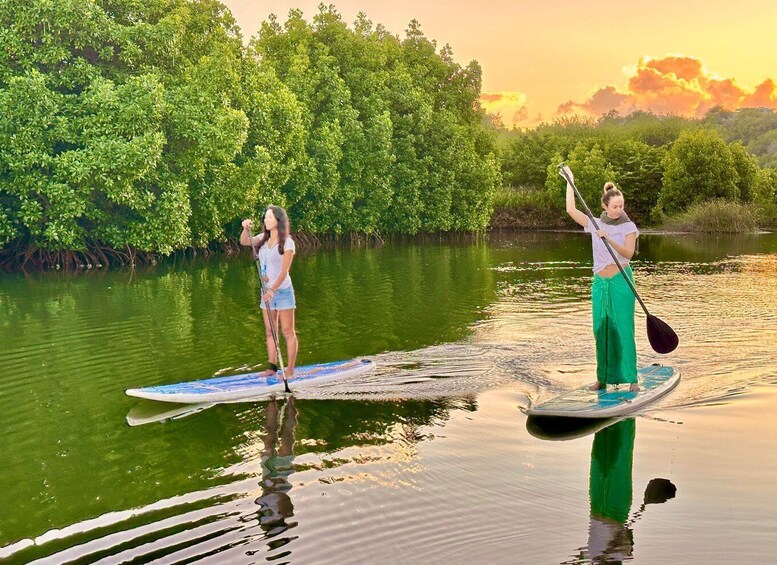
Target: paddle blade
x,y
659,491
661,337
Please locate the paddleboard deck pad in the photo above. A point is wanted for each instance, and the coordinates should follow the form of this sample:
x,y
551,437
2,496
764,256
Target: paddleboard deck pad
x,y
654,382
251,385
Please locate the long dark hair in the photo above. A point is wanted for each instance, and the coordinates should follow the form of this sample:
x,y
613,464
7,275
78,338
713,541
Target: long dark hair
x,y
284,226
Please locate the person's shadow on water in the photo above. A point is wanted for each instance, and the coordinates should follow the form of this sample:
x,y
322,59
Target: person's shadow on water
x,y
610,534
275,506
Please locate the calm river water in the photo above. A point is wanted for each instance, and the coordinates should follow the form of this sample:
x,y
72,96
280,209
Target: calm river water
x,y
428,459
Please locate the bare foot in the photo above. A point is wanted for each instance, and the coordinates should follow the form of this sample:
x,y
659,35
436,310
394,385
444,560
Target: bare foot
x,y
634,387
267,373
289,374
597,386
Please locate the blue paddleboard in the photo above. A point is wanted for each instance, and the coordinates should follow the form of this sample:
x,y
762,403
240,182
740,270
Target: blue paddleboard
x,y
616,400
250,385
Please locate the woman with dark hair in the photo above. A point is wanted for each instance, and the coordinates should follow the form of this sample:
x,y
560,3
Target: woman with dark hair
x,y
275,253
611,296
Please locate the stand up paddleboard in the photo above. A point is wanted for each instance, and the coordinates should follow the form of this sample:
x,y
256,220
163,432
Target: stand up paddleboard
x,y
251,385
654,382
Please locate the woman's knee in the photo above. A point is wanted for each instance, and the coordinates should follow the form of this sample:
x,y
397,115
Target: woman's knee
x,y
289,333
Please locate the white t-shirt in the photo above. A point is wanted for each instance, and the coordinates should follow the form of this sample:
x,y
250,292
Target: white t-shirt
x,y
602,257
271,262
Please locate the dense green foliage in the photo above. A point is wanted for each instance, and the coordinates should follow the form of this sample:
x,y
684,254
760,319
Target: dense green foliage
x,y
528,208
395,141
756,128
118,123
149,125
699,167
664,164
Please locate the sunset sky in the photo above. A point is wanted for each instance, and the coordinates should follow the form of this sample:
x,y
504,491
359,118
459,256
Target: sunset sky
x,y
544,59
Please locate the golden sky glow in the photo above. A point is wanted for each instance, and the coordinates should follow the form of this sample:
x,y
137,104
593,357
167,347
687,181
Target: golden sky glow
x,y
542,59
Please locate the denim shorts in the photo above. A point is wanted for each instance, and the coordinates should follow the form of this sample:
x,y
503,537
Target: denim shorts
x,y
283,299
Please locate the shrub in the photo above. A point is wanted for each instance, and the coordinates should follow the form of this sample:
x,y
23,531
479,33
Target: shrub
x,y
698,167
591,171
766,198
715,216
523,208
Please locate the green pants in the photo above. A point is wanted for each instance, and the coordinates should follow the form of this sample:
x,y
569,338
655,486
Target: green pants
x,y
613,313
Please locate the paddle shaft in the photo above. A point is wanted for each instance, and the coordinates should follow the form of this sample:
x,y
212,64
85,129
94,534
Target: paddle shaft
x,y
269,313
606,243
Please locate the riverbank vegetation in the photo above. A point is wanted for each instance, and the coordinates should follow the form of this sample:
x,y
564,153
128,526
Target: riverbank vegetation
x,y
130,131
707,174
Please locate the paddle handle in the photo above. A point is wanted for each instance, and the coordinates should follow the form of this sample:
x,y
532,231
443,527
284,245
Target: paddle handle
x,y
269,313
606,243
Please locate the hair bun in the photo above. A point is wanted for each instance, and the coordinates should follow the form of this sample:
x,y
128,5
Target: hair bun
x,y
608,185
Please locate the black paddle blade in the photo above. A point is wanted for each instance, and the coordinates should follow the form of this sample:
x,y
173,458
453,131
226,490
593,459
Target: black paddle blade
x,y
661,337
659,491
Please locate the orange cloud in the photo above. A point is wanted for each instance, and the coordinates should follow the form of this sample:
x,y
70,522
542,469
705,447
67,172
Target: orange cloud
x,y
765,94
686,68
511,106
673,85
601,102
724,93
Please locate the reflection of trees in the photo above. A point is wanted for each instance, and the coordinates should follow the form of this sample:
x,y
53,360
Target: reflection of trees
x,y
325,426
704,247
135,467
72,343
569,247
542,246
543,267
389,298
328,427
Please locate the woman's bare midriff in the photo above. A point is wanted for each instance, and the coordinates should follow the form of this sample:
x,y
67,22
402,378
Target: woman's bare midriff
x,y
609,271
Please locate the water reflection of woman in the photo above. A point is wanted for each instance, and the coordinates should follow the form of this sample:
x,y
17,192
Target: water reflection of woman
x,y
277,465
610,539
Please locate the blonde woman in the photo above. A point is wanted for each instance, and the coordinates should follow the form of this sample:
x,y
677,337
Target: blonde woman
x,y
612,298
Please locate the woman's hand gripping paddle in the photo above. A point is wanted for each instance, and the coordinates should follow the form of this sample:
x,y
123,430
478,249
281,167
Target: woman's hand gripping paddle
x,y
662,338
269,314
